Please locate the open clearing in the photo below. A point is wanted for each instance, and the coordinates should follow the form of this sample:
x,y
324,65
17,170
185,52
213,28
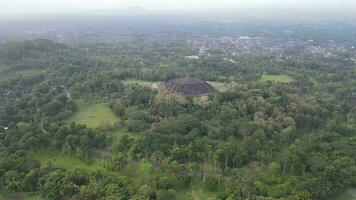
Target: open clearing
x,y
282,78
151,84
222,87
92,115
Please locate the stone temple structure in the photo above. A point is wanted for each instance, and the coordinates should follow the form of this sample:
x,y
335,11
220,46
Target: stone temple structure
x,y
188,86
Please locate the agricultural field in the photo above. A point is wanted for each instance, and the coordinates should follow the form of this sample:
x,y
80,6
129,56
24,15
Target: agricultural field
x,y
92,115
282,78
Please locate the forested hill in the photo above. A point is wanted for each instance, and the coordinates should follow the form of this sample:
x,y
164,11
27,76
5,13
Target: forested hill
x,y
90,122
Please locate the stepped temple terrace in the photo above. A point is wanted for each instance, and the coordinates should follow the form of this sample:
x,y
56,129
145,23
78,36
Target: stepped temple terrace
x,y
188,86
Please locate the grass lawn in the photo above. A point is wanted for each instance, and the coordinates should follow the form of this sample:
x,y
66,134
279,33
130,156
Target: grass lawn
x,y
93,114
222,87
282,78
349,194
151,84
68,162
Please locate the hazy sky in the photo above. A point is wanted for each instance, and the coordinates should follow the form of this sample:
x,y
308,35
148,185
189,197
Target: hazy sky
x,y
8,7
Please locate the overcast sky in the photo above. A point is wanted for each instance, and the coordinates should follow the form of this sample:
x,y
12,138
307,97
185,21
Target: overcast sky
x,y
8,7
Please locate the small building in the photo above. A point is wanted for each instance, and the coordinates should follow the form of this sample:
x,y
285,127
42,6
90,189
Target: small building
x,y
188,86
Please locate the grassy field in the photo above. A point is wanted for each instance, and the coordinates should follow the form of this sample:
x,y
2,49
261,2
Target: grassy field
x,y
222,87
93,114
68,162
150,84
349,194
282,78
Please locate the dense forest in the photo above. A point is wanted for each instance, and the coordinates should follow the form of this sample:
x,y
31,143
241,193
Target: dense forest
x,y
87,121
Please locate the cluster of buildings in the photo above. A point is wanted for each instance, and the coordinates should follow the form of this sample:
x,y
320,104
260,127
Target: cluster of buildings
x,y
280,48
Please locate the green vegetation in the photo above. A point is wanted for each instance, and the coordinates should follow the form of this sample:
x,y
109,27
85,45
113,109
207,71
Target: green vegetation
x,y
92,115
141,172
21,196
347,195
116,135
33,197
133,142
196,192
283,78
314,81
68,162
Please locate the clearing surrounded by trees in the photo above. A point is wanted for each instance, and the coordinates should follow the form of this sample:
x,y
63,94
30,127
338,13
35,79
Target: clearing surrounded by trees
x,y
282,78
92,115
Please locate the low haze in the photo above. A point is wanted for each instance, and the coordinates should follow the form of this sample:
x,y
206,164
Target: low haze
x,y
301,7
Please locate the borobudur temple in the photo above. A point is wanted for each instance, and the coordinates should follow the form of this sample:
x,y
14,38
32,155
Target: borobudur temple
x,y
188,86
